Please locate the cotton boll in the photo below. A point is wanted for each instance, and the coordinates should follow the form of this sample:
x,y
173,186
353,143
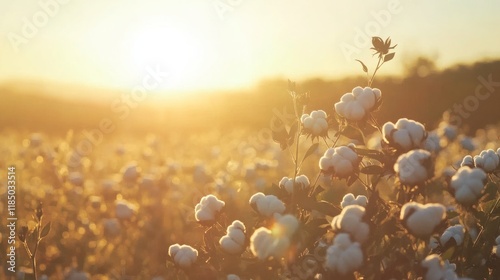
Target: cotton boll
x,y
421,220
344,256
76,275
414,167
76,178
450,132
468,184
350,221
487,160
404,135
287,183
340,162
267,205
433,243
112,227
467,143
496,248
434,267
468,161
349,199
130,172
234,240
265,243
356,105
124,210
315,123
183,255
432,143
456,232
208,208
232,277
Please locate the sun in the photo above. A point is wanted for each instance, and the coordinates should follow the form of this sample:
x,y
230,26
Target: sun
x,y
168,48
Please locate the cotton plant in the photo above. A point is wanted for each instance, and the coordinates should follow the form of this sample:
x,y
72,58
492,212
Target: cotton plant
x,y
310,225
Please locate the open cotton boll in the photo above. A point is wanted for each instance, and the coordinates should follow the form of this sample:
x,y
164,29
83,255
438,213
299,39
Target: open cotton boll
x,y
287,183
456,232
234,240
487,160
344,256
414,167
421,220
496,248
340,162
315,123
124,209
350,221
356,105
432,143
468,184
349,199
112,227
468,161
130,172
404,135
207,209
265,243
183,255
75,274
232,277
467,143
436,269
267,205
447,130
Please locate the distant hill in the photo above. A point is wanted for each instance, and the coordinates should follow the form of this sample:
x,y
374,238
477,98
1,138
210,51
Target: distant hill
x,y
36,106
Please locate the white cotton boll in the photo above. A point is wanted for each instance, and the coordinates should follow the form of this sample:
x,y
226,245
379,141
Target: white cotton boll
x,y
487,160
468,161
356,105
232,277
467,143
112,227
130,172
76,275
433,243
421,220
468,184
405,134
340,162
496,248
265,243
456,232
432,143
124,209
414,167
349,199
287,183
183,255
434,267
234,240
76,178
448,131
208,208
344,256
267,205
315,123
350,221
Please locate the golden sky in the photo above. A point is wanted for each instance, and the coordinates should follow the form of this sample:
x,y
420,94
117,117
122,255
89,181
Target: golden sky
x,y
224,44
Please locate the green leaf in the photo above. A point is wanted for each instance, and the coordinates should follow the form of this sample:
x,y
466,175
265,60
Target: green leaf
x,y
45,230
310,151
389,57
365,69
372,170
